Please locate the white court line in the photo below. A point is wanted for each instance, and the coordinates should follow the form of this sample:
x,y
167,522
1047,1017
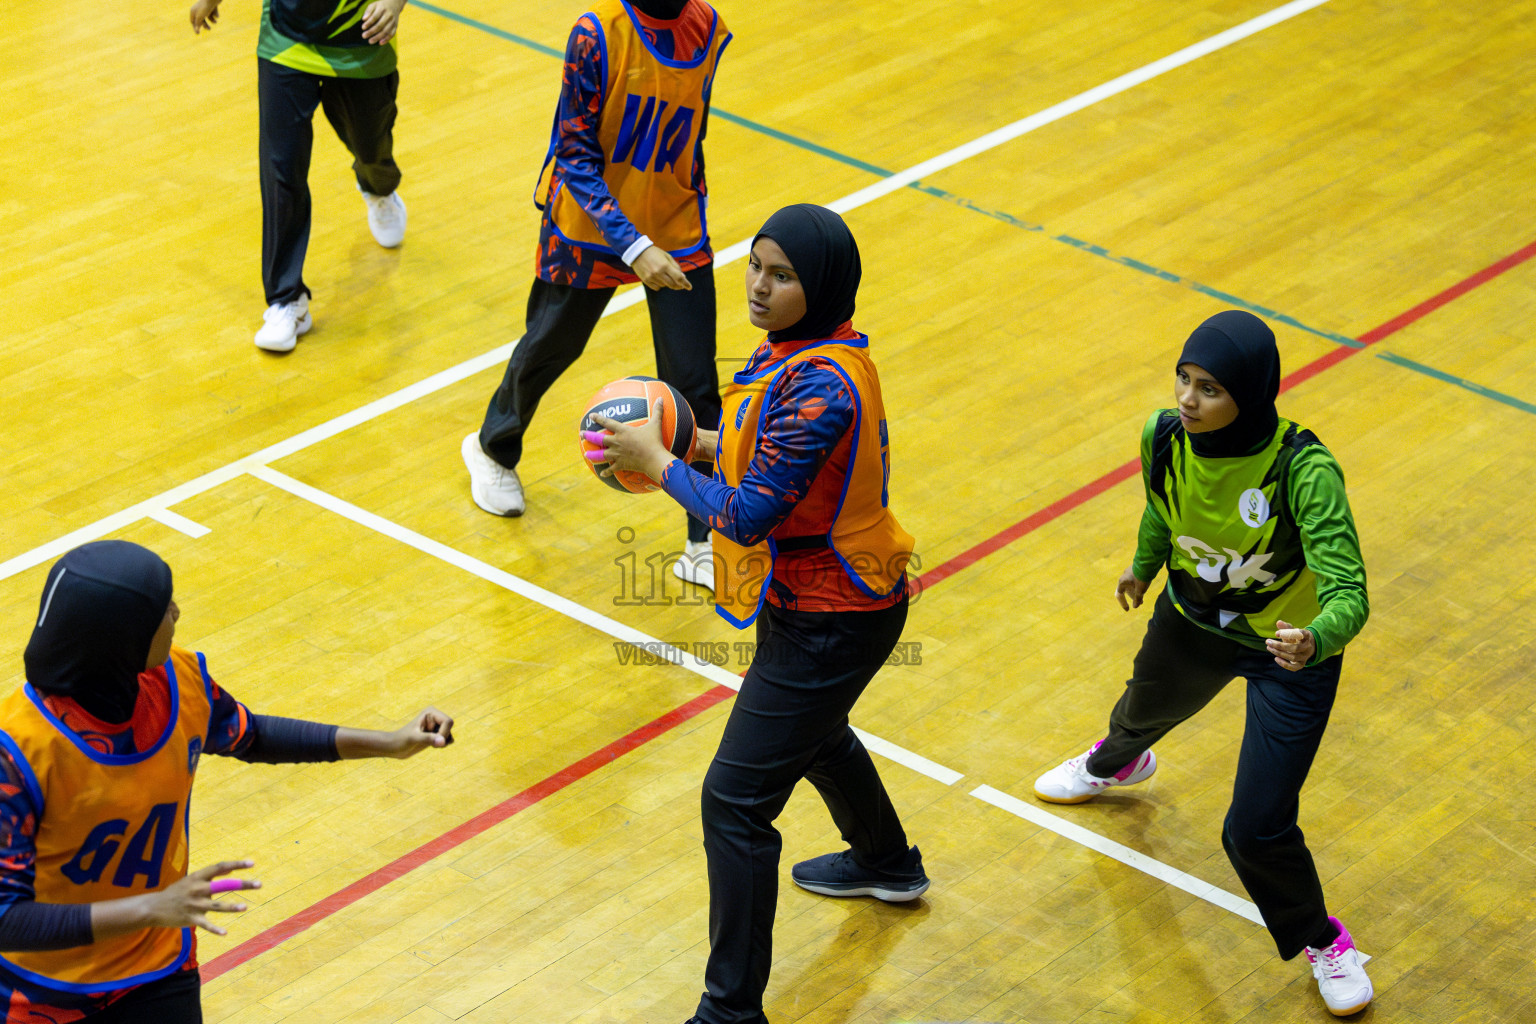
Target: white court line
x,y
570,609
255,463
716,674
891,752
1124,854
224,474
1081,101
499,355
175,521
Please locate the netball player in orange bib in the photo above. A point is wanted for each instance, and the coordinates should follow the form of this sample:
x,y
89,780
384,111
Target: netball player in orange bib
x,y
807,550
624,200
98,751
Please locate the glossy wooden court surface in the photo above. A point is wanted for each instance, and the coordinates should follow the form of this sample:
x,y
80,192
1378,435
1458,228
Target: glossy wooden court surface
x,y
1358,173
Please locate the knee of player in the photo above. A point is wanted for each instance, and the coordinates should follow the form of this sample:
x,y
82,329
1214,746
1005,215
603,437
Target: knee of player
x,y
1246,836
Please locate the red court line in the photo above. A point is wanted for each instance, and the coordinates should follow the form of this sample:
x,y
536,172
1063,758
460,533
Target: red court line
x,y
400,866
1455,291
305,919
1029,524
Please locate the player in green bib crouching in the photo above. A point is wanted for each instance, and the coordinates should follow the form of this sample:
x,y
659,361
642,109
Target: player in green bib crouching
x,y
1265,581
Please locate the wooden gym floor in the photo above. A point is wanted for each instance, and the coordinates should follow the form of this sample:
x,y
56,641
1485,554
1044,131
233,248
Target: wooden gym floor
x,y
1352,171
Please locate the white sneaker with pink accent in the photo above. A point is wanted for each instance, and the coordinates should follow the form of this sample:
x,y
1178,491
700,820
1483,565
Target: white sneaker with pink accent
x,y
1341,980
1070,783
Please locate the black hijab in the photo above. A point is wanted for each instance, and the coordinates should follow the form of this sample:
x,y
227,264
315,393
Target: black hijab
x,y
1238,349
826,259
661,10
99,612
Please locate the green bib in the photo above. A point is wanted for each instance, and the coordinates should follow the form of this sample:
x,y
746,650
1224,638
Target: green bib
x,y
338,22
1236,564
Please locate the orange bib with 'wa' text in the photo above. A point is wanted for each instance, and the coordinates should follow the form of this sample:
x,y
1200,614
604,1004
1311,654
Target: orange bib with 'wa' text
x,y
653,112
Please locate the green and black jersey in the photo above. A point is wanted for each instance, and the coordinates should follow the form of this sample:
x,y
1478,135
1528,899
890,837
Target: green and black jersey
x,y
1252,539
322,37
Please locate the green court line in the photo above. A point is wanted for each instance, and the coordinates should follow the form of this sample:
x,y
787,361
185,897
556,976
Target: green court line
x,y
1461,382
774,133
1137,265
949,197
491,29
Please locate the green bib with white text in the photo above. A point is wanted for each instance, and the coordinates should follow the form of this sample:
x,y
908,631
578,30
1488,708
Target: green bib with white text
x,y
1236,563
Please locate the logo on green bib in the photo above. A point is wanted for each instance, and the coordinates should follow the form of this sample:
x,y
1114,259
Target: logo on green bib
x,y
1253,507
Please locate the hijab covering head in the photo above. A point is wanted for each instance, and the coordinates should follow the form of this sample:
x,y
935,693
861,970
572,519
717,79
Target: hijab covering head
x,y
662,10
1238,349
100,609
826,260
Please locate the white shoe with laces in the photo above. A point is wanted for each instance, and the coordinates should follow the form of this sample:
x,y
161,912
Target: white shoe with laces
x,y
1070,783
1341,978
283,323
494,487
697,564
386,218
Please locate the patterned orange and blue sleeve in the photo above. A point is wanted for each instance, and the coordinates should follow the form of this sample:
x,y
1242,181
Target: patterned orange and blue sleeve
x,y
18,833
229,724
579,157
810,410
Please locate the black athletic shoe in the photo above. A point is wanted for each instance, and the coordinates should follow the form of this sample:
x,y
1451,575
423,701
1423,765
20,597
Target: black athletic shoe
x,y
838,874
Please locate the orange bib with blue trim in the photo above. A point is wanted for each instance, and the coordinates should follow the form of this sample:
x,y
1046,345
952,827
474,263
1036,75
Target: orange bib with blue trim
x,y
653,112
109,826
869,543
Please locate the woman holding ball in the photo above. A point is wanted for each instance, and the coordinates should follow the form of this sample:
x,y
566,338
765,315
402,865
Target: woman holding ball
x,y
1265,581
808,552
98,752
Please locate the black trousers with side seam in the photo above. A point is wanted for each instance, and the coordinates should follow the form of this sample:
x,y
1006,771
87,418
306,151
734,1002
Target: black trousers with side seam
x,y
362,110
1178,670
560,321
790,722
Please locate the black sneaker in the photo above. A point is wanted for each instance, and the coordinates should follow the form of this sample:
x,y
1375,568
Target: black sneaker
x,y
838,874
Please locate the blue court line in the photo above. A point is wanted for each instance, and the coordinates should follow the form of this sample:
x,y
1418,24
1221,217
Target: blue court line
x,y
1008,218
774,133
491,29
1137,265
949,197
1461,382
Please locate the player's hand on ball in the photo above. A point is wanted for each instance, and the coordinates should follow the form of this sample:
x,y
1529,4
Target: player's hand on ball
x,y
1292,647
656,269
633,446
1130,587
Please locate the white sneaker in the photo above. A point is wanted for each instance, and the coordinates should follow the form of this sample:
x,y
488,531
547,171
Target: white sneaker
x,y
494,487
1341,980
1070,783
284,323
386,218
697,564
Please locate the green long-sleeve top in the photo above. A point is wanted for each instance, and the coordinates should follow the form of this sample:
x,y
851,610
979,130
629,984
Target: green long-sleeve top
x,y
1252,539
